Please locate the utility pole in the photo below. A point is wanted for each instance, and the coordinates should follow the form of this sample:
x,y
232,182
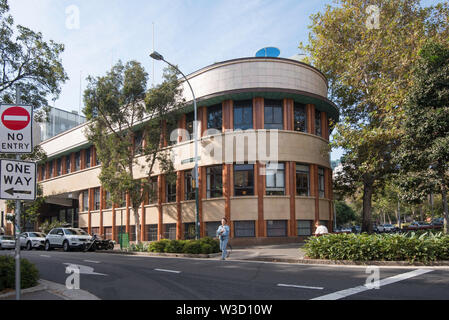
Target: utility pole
x,y
17,229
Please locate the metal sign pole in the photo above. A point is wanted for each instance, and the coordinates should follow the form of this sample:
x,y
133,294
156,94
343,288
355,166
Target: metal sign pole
x,y
17,256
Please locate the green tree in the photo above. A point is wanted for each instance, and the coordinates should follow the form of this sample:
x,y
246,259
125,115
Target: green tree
x,y
115,104
345,214
369,72
424,153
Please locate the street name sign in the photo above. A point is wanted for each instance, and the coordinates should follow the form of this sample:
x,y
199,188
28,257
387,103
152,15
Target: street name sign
x,y
16,129
18,180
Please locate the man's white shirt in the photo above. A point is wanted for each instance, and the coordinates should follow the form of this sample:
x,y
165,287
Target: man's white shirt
x,y
321,230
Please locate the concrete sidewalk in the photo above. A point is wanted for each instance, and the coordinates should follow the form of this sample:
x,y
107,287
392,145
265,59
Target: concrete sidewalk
x,y
280,252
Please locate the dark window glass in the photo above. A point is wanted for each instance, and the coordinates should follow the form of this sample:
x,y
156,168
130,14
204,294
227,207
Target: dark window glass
x,y
302,180
170,231
85,200
51,169
97,199
171,191
211,228
107,233
275,179
59,167
304,227
214,181
215,117
321,182
244,229
68,164
172,132
151,230
189,230
189,123
189,186
300,117
87,157
153,191
43,172
132,233
138,142
243,115
77,161
273,114
317,122
243,179
108,201
276,228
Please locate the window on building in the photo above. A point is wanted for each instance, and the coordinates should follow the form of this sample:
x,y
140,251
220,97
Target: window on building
x,y
68,163
211,228
304,227
58,166
214,181
87,154
275,179
300,117
153,191
170,231
95,230
273,114
97,199
302,180
138,142
77,161
85,200
43,172
122,203
321,182
243,179
151,230
172,132
243,115
171,191
189,186
189,231
276,228
215,117
51,168
132,233
108,233
190,117
108,201
317,122
244,229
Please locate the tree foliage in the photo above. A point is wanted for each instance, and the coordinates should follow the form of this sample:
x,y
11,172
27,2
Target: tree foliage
x,y
345,214
369,72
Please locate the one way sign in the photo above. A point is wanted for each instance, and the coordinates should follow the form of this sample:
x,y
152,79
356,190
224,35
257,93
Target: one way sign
x,y
18,180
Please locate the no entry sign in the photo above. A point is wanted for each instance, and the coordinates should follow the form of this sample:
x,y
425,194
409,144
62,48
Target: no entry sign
x,y
18,180
16,129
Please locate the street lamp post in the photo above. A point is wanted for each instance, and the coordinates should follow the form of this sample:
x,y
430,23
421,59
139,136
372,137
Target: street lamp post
x,y
157,56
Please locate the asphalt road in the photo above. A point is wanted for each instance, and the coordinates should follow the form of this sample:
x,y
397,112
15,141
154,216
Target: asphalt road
x,y
113,276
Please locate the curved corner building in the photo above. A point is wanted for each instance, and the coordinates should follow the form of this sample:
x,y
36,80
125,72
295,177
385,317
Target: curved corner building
x,y
263,161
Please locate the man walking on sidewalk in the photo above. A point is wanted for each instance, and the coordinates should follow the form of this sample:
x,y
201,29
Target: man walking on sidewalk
x,y
223,235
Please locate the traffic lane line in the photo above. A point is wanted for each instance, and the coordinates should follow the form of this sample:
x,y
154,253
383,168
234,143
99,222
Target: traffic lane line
x,y
166,270
352,291
92,261
298,286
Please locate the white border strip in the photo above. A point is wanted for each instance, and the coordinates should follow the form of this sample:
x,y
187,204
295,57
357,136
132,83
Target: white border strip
x,y
165,270
300,287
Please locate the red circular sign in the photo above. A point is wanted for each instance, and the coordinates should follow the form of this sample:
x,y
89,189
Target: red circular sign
x,y
15,118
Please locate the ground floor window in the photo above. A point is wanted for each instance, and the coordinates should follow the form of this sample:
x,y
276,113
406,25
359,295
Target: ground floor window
x,y
243,180
151,232
170,231
132,233
108,233
304,227
244,229
95,230
276,228
211,228
189,230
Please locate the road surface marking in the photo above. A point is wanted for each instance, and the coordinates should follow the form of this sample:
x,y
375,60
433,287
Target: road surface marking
x,y
44,255
165,270
84,269
300,287
92,261
351,291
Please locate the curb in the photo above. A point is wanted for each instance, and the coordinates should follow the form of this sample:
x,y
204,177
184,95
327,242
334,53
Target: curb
x,y
55,289
163,254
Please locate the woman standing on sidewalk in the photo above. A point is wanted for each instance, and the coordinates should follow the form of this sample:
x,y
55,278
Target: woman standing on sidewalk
x,y
223,235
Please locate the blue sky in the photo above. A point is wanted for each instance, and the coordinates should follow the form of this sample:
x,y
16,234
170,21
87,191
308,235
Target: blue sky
x,y
190,33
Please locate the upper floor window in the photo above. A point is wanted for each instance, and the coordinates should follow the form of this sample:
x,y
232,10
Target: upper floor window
x,y
43,172
171,191
215,117
321,182
190,117
302,180
85,206
273,114
243,179
138,142
318,122
275,179
68,163
300,117
58,166
108,201
97,199
189,185
153,190
51,168
214,181
87,154
243,115
172,132
77,161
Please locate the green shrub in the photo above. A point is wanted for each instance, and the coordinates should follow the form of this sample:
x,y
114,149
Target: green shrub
x,y
175,246
29,274
410,247
193,247
214,243
158,246
204,245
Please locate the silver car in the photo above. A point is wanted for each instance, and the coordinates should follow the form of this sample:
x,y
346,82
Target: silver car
x,y
30,240
7,242
67,238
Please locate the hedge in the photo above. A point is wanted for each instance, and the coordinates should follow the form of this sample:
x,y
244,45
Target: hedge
x,y
205,245
29,275
410,247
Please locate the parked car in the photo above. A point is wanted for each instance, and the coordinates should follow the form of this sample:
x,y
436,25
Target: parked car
x,y
67,238
30,240
389,227
419,225
380,228
7,242
437,222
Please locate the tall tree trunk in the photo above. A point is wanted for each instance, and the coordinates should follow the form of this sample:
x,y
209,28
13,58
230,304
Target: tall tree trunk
x,y
445,207
421,212
367,225
137,223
